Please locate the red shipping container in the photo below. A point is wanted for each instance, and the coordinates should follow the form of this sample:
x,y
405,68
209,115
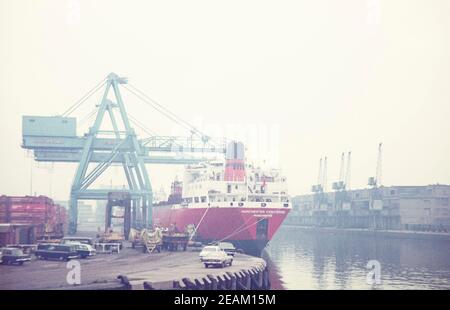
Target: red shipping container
x,y
39,211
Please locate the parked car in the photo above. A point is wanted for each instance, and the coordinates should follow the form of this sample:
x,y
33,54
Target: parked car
x,y
57,251
228,247
215,256
206,250
84,250
11,256
84,240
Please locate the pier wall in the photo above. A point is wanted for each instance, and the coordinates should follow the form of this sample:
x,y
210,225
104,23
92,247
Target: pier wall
x,y
133,270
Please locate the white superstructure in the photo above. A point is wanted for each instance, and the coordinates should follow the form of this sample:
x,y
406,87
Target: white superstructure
x,y
206,183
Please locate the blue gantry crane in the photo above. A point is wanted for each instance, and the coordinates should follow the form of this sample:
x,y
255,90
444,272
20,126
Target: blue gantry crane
x,y
54,139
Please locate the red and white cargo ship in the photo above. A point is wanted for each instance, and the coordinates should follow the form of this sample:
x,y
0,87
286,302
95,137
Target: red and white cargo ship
x,y
227,201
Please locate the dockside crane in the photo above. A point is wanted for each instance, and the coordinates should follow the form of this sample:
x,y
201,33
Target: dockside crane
x,y
348,172
318,187
376,181
341,199
376,192
339,185
343,182
54,139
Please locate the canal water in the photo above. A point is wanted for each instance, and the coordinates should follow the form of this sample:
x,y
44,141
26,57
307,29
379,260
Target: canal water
x,y
301,259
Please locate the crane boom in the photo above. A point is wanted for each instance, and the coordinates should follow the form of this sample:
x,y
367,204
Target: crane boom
x,y
319,176
324,176
348,172
379,163
376,181
341,169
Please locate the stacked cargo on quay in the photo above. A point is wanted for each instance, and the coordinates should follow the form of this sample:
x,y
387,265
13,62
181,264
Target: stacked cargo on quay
x,y
25,219
405,208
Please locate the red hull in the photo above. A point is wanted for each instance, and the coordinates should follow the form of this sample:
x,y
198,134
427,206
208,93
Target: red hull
x,y
251,228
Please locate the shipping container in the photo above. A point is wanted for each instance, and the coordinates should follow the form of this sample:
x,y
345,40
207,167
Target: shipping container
x,y
41,212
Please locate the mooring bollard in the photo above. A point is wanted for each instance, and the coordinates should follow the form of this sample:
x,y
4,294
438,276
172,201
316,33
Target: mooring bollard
x,y
207,283
213,282
189,284
233,281
199,285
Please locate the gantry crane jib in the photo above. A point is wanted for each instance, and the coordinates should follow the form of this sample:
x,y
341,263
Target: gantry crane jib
x,y
54,139
184,144
97,157
69,149
65,146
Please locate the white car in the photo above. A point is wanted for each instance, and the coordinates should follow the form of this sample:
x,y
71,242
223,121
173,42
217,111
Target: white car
x,y
206,250
84,250
215,256
228,247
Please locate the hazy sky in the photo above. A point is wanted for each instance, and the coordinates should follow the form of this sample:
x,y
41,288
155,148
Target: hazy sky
x,y
325,76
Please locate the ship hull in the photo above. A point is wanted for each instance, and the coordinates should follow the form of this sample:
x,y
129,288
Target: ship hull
x,y
249,229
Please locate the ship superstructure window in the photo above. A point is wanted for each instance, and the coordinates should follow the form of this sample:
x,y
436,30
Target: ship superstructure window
x,y
203,199
228,188
196,199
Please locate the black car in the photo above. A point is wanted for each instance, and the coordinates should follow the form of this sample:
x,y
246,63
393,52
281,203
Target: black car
x,y
228,247
11,256
57,251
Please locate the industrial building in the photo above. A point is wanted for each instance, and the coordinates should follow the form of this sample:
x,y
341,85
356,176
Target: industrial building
x,y
418,208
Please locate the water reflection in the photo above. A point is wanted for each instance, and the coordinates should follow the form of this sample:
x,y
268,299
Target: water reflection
x,y
323,260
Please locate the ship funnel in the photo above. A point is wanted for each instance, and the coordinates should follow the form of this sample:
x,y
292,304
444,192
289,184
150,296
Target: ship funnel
x,y
176,191
235,162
